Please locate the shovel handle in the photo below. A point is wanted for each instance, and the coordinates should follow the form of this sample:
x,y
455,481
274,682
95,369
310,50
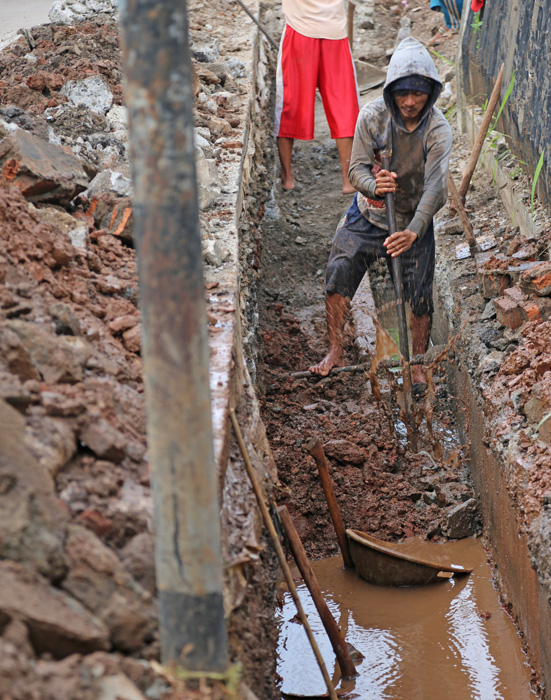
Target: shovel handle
x,y
315,448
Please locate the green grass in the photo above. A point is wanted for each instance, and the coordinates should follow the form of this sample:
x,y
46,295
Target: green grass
x,y
535,182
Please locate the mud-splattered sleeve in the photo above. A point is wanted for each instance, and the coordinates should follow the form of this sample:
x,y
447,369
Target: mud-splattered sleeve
x,y
435,191
362,158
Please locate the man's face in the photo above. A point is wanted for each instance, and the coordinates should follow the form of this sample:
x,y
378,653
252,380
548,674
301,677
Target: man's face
x,y
410,104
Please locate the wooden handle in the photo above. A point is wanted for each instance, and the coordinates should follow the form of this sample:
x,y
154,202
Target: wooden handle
x,y
473,160
281,556
316,450
458,204
348,669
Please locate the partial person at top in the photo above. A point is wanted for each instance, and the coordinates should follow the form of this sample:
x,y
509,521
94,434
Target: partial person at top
x,y
315,53
451,10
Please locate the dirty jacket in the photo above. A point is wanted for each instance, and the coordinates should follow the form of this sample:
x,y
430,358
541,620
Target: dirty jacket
x,y
420,158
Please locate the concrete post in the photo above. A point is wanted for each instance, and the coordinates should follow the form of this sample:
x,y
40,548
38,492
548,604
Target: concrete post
x,y
188,559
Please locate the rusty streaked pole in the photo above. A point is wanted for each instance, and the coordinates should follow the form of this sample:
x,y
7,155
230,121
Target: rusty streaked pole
x,y
188,557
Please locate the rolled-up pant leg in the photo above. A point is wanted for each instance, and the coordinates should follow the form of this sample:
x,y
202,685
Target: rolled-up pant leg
x,y
357,243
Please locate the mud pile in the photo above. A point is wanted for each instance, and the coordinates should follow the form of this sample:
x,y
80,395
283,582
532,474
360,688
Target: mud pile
x,y
76,511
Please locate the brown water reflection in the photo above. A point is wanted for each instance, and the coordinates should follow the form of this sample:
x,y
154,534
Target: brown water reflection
x,y
447,641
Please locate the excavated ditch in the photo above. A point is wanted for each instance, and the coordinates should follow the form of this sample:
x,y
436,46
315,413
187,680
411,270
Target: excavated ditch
x,y
382,487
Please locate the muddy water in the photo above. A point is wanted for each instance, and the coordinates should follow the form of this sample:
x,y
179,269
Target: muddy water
x,y
446,641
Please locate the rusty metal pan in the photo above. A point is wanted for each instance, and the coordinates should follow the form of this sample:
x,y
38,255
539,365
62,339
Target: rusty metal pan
x,y
387,564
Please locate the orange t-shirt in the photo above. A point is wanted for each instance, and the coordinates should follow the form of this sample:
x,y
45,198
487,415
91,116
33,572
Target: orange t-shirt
x,y
318,19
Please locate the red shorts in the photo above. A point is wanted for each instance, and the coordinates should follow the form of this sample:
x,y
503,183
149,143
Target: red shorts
x,y
305,64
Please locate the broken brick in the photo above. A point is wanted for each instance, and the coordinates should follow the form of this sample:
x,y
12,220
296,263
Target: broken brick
x,y
114,214
537,280
508,312
42,171
493,283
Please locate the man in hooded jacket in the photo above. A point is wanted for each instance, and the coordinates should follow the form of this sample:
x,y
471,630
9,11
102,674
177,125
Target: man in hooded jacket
x,y
406,123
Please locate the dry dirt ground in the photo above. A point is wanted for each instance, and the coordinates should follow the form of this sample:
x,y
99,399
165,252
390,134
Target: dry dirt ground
x,y
71,381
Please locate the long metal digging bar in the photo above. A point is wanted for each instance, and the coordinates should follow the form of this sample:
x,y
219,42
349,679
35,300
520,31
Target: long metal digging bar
x,y
400,308
281,556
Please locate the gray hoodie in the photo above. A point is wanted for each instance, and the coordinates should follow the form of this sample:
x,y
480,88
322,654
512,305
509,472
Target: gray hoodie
x,y
420,158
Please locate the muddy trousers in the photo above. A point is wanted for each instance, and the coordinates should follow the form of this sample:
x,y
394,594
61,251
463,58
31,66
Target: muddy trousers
x,y
358,243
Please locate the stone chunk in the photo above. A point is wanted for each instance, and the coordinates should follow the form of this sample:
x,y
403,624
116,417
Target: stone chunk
x,y
538,407
57,358
66,323
13,392
114,214
43,172
32,524
57,623
52,441
98,580
132,339
104,440
461,521
14,357
93,92
344,451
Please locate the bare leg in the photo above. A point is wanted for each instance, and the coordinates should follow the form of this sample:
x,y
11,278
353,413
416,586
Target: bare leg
x,y
285,147
344,147
420,334
336,308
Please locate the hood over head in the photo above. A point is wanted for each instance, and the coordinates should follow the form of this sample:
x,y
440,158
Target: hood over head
x,y
411,58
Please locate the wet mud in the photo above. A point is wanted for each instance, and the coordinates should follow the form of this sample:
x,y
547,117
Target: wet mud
x,y
450,639
382,486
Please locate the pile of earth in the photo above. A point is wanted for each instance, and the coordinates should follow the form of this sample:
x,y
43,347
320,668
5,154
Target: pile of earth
x,y
76,526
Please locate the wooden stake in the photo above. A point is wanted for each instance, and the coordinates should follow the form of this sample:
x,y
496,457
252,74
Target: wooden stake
x,y
351,8
281,556
473,160
458,204
315,448
338,643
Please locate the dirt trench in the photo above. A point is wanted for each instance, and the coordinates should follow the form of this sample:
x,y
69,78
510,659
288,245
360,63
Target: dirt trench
x,y
382,488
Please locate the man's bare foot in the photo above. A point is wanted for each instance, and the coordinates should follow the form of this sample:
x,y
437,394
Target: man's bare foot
x,y
440,37
347,188
332,359
288,183
418,375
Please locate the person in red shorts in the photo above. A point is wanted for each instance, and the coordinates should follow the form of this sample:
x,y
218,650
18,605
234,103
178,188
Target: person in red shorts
x,y
315,53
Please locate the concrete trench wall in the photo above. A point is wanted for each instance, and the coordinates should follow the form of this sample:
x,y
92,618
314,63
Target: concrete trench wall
x,y
518,34
251,571
526,599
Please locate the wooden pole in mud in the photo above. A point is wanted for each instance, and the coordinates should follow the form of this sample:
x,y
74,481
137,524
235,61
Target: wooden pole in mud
x,y
473,160
467,228
315,448
175,353
351,8
338,643
281,555
401,310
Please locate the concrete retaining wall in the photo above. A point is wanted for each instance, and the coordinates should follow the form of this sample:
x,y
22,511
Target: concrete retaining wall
x,y
509,547
518,34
